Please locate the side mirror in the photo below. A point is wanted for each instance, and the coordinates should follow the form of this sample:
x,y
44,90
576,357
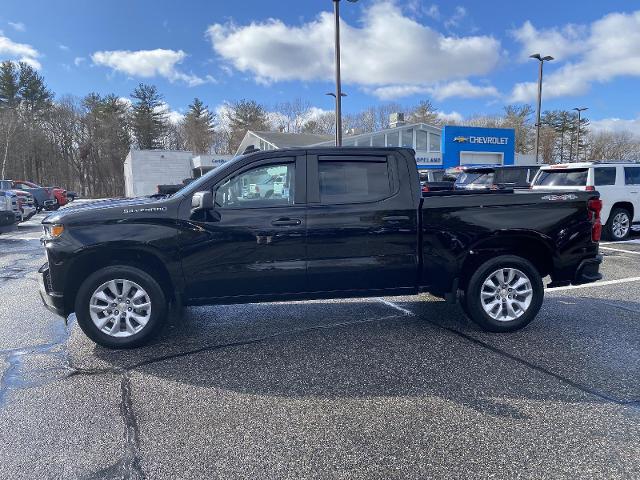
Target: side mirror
x,y
202,201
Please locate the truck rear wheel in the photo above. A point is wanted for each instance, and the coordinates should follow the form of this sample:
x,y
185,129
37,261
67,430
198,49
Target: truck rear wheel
x,y
504,294
120,307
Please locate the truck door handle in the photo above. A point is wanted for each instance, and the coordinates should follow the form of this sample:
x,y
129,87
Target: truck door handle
x,y
283,222
395,218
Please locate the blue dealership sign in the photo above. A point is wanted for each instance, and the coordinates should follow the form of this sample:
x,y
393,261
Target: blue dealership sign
x,y
464,144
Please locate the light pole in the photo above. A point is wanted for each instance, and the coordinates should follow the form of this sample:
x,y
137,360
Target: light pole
x,y
541,60
338,94
579,110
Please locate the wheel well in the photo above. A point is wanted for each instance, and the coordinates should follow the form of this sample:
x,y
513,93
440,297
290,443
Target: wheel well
x,y
628,206
528,248
94,261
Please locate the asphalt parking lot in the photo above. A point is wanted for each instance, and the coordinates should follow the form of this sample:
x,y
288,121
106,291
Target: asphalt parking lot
x,y
376,388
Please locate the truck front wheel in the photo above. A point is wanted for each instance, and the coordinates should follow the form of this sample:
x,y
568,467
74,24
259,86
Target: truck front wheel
x,y
120,307
504,294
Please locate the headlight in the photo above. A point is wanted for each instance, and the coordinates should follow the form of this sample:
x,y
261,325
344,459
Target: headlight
x,y
53,231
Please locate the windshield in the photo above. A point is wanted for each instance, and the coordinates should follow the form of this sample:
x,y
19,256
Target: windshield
x,y
562,178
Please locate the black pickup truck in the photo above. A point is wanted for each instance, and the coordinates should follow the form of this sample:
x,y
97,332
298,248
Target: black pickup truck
x,y
313,223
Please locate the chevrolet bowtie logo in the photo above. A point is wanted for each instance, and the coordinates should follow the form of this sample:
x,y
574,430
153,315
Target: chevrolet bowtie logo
x,y
461,139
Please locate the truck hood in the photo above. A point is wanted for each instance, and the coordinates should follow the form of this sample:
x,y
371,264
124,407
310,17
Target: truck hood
x,y
111,208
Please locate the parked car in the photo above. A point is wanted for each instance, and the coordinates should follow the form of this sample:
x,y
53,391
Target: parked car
x,y
60,197
475,178
434,180
353,224
43,196
8,204
517,177
26,204
617,182
71,196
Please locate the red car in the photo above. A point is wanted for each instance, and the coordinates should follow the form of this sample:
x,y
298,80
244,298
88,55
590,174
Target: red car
x,y
56,194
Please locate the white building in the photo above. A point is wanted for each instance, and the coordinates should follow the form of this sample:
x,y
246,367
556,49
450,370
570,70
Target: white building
x,y
144,170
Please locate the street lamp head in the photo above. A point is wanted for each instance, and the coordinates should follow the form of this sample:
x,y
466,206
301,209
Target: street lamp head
x,y
540,58
581,109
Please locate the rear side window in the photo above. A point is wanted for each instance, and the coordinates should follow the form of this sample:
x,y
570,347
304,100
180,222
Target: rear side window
x,y
632,175
354,181
604,176
563,178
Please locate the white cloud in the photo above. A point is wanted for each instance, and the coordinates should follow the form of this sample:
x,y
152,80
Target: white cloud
x,y
173,116
451,117
454,20
389,49
149,63
62,47
608,50
32,62
616,125
441,91
13,49
18,26
561,43
463,89
78,61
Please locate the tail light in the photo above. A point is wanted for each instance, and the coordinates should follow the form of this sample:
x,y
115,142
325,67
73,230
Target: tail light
x,y
595,207
425,189
590,188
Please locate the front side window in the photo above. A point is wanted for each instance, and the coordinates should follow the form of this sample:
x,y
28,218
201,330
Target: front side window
x,y
353,181
265,186
632,175
604,176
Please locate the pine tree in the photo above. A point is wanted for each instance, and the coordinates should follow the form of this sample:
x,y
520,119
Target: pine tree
x,y
148,119
198,127
246,115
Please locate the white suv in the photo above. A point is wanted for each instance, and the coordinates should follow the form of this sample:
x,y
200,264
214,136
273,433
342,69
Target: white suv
x,y
618,184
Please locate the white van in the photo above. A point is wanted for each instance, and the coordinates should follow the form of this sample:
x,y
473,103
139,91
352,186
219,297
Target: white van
x,y
617,182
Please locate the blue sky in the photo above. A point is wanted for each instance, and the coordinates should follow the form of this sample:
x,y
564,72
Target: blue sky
x,y
468,57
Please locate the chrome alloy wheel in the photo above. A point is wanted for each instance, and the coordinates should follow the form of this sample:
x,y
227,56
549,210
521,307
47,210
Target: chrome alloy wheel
x,y
620,225
120,308
506,294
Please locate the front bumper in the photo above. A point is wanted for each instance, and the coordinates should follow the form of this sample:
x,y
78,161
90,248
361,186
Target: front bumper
x,y
54,301
588,271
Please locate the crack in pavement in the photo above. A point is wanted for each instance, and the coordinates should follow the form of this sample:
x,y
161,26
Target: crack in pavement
x,y
583,388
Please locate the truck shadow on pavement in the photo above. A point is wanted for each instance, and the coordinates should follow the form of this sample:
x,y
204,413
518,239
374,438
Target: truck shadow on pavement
x,y
365,349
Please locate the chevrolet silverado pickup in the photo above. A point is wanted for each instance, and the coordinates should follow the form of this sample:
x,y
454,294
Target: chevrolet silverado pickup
x,y
336,223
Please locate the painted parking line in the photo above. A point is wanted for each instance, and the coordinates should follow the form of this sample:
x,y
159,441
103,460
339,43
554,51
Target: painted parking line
x,y
596,284
620,250
635,241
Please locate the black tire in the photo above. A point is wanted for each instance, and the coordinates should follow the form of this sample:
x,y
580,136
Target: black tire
x,y
472,294
158,306
609,230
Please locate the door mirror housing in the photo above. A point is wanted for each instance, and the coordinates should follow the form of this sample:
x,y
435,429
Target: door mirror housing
x,y
202,201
